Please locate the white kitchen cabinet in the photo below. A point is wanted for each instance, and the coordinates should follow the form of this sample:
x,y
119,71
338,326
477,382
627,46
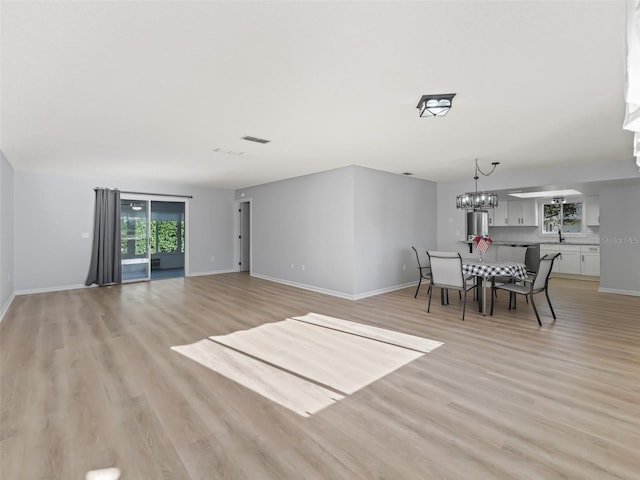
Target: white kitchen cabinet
x,y
551,250
523,213
569,262
590,260
514,213
574,259
498,215
530,213
592,211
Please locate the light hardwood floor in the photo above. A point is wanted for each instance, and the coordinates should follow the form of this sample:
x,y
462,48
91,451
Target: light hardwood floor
x,y
88,381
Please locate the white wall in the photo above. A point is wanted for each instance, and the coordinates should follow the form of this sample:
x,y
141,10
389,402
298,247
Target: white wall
x,y
620,239
304,221
53,211
6,233
391,214
351,228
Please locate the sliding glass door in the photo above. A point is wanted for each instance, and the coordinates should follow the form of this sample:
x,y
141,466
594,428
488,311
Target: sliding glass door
x,y
167,232
153,232
134,232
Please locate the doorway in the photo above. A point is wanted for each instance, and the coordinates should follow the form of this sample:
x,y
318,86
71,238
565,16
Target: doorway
x,y
244,236
153,238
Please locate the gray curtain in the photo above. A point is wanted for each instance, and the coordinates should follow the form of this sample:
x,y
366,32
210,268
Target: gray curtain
x,y
106,257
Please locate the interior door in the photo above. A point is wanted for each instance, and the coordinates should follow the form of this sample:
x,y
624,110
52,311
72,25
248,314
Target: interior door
x,y
245,236
134,232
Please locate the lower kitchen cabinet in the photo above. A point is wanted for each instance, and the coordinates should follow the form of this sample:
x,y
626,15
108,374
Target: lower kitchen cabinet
x,y
574,259
590,260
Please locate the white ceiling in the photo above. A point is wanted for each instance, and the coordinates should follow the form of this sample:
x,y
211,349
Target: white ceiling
x,y
150,89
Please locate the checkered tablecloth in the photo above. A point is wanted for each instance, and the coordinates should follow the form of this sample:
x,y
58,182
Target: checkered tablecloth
x,y
493,269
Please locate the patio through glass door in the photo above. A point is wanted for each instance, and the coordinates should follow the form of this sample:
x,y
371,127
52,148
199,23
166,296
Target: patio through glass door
x,y
134,238
153,237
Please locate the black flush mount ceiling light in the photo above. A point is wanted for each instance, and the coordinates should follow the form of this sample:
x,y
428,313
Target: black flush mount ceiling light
x,y
435,105
478,200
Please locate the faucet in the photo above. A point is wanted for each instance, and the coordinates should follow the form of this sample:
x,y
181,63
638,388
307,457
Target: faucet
x,y
560,236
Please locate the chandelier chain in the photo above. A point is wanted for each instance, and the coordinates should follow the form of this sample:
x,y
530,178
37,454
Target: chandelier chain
x,y
495,164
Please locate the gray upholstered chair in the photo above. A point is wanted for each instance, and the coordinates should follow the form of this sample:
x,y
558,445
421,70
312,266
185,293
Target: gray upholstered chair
x,y
423,267
446,274
538,283
507,253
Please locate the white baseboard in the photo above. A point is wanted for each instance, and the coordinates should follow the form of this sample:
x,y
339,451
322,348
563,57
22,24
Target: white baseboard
x,y
212,272
333,293
373,293
50,289
573,276
76,287
6,306
304,286
617,291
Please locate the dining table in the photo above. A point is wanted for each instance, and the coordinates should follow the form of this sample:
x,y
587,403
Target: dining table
x,y
484,270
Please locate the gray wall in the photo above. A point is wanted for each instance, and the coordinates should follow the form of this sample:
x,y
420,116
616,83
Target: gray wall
x,y
304,222
52,212
351,228
6,233
391,214
620,239
451,220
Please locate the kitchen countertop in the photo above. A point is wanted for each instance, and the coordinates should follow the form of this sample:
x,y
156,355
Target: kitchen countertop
x,y
524,244
570,243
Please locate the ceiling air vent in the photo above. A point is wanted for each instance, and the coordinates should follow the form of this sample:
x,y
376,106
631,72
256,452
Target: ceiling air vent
x,y
255,139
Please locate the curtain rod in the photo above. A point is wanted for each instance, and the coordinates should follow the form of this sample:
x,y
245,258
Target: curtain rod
x,y
147,193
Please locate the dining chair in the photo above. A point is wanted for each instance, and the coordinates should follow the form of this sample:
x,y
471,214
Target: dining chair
x,y
507,253
447,274
531,286
423,267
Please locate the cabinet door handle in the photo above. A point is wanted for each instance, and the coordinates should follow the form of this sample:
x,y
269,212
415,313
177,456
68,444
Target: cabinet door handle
x,y
583,258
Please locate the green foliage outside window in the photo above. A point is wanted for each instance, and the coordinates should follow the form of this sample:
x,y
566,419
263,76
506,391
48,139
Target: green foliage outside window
x,y
166,236
562,216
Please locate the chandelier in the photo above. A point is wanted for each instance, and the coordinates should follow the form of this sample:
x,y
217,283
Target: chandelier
x,y
478,200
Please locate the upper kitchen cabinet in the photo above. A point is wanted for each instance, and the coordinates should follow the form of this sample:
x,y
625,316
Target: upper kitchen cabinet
x,y
498,215
522,213
592,211
514,213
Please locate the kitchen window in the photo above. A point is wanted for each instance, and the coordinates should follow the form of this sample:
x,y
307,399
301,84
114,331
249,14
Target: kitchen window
x,y
566,217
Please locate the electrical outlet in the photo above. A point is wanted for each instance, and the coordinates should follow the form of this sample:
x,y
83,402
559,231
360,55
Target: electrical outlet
x,y
303,268
404,267
292,266
212,258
